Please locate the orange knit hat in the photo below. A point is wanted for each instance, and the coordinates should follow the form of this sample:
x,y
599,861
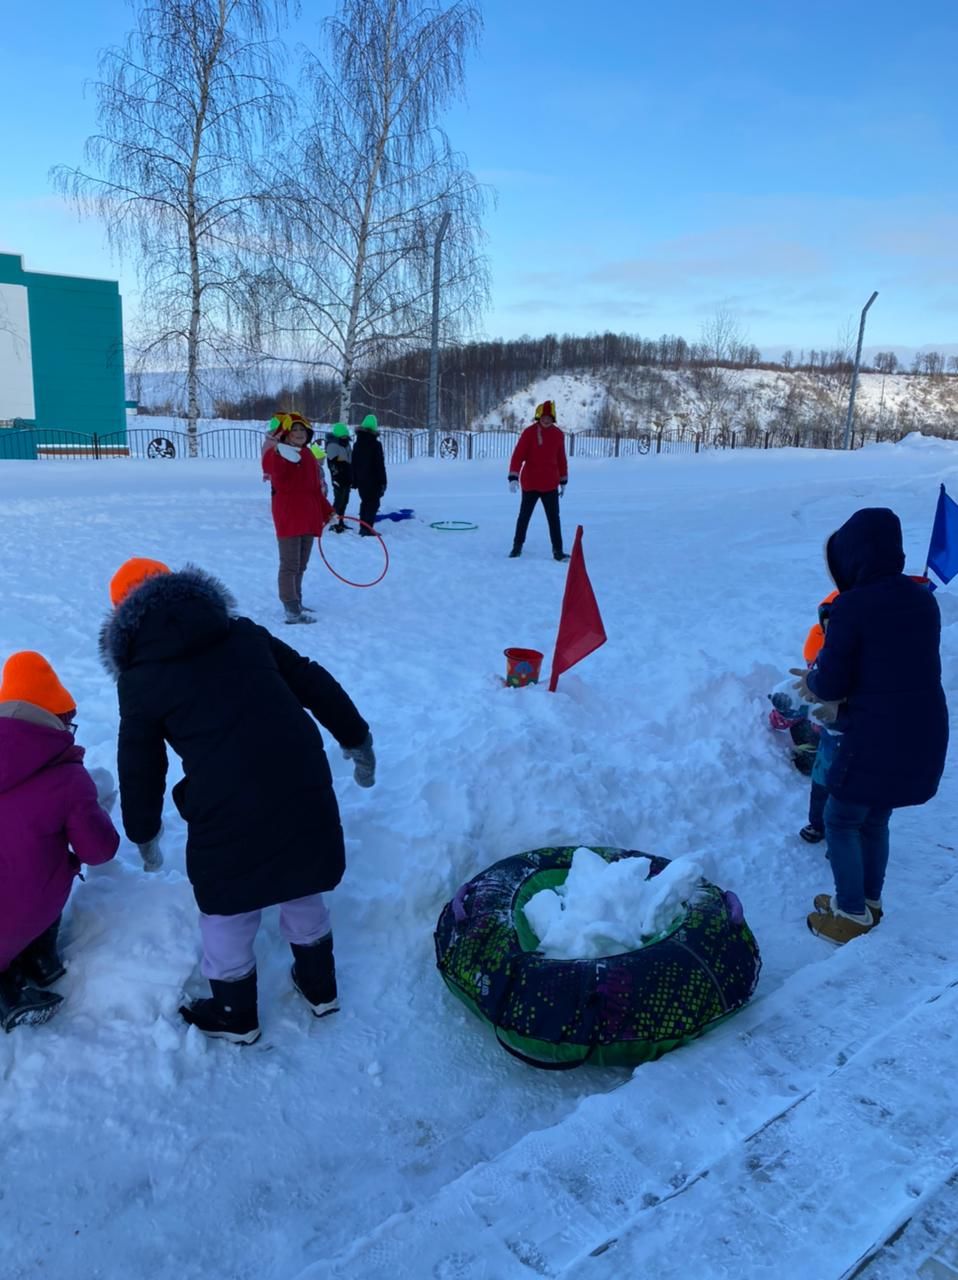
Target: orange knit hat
x,y
132,574
28,677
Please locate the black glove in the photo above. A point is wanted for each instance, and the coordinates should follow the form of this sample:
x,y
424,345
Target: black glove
x,y
364,759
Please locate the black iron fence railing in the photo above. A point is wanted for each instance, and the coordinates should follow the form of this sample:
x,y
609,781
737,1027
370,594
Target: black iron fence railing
x,y
401,445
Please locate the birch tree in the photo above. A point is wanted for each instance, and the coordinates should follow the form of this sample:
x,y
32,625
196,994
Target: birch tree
x,y
183,109
713,384
352,284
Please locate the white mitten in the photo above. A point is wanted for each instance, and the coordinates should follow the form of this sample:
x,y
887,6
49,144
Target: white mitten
x,y
151,853
105,788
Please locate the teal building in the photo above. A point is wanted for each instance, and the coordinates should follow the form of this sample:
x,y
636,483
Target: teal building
x,y
61,356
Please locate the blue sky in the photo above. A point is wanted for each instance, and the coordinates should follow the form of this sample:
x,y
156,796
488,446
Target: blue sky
x,y
652,164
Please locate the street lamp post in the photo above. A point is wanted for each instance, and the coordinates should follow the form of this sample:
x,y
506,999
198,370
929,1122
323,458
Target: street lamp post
x,y
433,408
858,360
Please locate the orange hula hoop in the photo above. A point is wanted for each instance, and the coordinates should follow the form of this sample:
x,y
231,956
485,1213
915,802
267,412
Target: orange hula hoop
x,y
348,581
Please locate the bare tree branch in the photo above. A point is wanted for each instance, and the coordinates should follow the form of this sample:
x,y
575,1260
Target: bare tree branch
x,y
185,110
352,250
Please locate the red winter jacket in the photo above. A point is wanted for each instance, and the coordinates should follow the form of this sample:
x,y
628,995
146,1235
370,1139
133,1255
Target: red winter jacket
x,y
538,460
299,503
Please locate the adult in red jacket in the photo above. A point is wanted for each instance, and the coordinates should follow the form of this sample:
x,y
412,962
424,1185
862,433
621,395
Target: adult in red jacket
x,y
539,464
300,506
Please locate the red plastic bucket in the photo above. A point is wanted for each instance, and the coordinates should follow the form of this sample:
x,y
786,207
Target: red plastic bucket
x,y
522,667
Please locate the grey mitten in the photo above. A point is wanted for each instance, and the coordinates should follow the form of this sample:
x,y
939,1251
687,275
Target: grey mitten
x,y
562,490
513,486
364,760
826,712
105,788
151,853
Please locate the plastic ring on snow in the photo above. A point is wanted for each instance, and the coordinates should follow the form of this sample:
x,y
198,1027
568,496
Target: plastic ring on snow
x,y
615,1010
348,581
453,526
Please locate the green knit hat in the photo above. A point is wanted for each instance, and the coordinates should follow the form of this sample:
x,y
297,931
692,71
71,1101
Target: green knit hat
x,y
341,430
369,423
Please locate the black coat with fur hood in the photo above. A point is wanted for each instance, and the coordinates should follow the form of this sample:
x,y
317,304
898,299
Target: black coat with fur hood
x,y
229,698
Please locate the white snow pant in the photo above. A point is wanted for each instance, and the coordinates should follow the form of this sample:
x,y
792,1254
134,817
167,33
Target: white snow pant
x,y
228,940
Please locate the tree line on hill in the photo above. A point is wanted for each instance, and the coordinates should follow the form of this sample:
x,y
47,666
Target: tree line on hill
x,y
639,373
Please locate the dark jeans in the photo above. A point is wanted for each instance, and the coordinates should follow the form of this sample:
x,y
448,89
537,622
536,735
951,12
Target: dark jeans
x,y
550,503
368,508
340,498
816,806
857,841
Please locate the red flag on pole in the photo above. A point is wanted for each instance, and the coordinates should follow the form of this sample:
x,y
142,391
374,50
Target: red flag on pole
x,y
580,623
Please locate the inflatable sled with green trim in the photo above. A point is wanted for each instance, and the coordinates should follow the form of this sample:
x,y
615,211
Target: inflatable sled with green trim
x,y
617,1010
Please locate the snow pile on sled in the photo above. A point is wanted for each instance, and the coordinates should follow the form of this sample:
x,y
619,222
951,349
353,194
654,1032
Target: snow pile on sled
x,y
605,908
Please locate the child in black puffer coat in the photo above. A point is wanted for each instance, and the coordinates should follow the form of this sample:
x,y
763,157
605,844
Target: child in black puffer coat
x,y
239,708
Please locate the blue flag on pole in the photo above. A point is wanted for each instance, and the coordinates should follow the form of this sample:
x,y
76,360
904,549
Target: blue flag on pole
x,y
943,548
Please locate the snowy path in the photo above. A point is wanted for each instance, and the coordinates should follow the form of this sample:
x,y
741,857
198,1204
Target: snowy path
x,y
795,1072
397,1136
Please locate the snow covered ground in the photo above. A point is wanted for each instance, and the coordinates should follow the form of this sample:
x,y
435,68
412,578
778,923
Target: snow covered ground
x,y
396,1139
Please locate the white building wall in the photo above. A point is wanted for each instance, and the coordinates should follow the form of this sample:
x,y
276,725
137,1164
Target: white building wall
x,y
16,363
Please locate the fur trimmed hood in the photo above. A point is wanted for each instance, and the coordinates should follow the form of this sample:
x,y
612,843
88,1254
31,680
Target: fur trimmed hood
x,y
169,616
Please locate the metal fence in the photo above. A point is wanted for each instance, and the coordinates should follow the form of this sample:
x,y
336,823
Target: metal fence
x,y
399,445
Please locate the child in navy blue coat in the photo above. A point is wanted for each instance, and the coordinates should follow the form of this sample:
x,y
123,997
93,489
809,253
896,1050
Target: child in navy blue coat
x,y
881,661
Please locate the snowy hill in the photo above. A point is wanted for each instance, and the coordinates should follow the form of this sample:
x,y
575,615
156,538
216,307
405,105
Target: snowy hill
x,y
734,399
396,1139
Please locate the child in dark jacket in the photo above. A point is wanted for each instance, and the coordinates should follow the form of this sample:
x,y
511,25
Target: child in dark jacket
x,y
881,661
814,830
238,706
369,472
339,459
51,821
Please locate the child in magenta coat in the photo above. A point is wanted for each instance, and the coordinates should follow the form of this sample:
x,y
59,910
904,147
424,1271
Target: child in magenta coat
x,y
51,821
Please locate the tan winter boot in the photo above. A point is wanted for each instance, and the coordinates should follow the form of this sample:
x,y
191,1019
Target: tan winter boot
x,y
825,902
839,927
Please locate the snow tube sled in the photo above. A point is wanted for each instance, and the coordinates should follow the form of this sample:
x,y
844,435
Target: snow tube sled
x,y
617,1010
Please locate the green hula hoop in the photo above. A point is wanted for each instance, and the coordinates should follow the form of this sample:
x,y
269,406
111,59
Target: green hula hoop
x,y
453,526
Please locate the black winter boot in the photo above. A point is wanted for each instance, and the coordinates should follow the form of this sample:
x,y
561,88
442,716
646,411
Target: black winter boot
x,y
229,1014
39,963
314,975
559,555
23,1004
515,553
